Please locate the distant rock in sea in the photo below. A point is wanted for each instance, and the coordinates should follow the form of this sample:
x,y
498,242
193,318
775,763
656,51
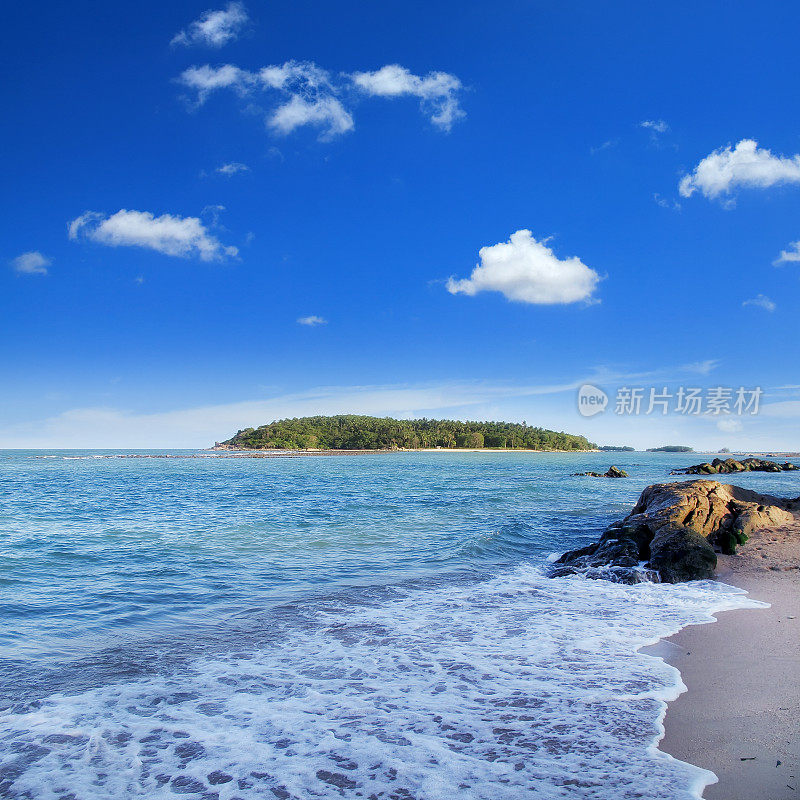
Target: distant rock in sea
x,y
613,472
731,465
675,531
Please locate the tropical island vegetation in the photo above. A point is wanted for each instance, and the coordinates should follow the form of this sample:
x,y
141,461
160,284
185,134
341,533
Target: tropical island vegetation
x,y
670,448
354,432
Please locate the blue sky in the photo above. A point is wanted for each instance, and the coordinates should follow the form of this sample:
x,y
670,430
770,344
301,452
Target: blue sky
x,y
172,210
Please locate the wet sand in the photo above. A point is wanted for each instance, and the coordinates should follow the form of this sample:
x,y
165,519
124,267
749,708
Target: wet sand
x,y
740,717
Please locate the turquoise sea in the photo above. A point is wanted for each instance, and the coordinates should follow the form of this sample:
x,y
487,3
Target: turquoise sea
x,y
376,626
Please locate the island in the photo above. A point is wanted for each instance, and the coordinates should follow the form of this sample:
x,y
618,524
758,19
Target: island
x,y
355,432
670,448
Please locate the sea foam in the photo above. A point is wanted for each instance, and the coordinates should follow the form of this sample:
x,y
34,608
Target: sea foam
x,y
507,687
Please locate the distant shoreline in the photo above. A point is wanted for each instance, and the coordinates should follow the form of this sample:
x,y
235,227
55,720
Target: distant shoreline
x,y
227,452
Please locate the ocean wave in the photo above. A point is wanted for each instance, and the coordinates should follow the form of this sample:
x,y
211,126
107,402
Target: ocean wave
x,y
510,539
516,684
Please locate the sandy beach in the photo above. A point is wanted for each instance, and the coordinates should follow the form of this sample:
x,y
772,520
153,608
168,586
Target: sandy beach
x,y
740,717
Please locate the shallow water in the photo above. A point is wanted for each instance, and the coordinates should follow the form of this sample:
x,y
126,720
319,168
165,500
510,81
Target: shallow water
x,y
371,626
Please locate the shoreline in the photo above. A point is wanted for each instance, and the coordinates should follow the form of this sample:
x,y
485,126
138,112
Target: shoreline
x,y
740,715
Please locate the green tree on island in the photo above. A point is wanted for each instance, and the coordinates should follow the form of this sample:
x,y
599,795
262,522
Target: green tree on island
x,y
354,432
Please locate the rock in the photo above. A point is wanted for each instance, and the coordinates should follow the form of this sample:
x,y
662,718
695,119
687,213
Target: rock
x,y
731,465
680,555
675,530
613,472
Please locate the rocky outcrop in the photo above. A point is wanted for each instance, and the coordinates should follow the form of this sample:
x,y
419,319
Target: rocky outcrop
x,y
613,472
675,531
730,465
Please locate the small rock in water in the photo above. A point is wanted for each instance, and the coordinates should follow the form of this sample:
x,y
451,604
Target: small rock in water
x,y
612,472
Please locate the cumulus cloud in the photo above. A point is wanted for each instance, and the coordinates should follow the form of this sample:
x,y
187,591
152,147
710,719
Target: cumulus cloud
x,y
746,165
206,79
310,95
170,234
31,263
326,112
214,28
789,256
761,301
312,321
437,91
527,271
308,91
232,168
654,125
293,75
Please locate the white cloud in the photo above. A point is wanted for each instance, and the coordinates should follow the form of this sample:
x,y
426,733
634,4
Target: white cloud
x,y
214,28
746,165
527,271
701,367
438,91
666,202
312,321
783,409
761,301
32,263
292,75
607,145
169,234
326,112
207,79
232,168
729,424
789,256
312,96
654,125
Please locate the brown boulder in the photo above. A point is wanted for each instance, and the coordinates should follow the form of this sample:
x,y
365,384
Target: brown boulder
x,y
676,528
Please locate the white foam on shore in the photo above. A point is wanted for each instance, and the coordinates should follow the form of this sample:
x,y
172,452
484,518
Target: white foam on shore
x,y
517,685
